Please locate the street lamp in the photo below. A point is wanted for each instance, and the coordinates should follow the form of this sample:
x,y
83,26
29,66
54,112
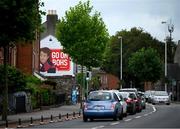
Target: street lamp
x,y
165,61
119,37
170,29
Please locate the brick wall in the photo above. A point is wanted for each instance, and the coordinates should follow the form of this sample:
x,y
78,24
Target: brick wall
x,y
113,81
24,58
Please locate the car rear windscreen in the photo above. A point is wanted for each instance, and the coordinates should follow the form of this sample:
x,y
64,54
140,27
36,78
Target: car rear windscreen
x,y
99,96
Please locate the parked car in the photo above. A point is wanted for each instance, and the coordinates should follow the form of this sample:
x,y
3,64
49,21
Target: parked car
x,y
123,102
143,100
137,100
161,97
129,99
102,104
148,95
134,94
128,90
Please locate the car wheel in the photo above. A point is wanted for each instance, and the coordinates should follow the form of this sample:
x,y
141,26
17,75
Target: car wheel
x,y
168,104
91,119
153,103
115,116
144,107
125,114
121,116
85,118
140,109
134,110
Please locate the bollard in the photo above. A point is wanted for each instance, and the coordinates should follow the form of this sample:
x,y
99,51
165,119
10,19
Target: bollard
x,y
60,117
79,113
67,116
19,123
74,115
51,119
31,121
6,123
42,120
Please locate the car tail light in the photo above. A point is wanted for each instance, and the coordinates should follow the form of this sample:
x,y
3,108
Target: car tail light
x,y
135,100
112,106
85,106
128,100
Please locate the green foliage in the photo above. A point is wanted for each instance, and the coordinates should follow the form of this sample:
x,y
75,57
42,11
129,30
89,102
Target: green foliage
x,y
95,82
83,34
79,77
50,82
38,91
33,84
19,20
146,65
45,96
132,41
16,79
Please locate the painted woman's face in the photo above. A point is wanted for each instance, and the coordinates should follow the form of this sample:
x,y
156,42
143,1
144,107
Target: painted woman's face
x,y
43,57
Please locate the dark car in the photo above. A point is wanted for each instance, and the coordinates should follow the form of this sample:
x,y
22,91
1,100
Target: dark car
x,y
137,99
131,104
102,104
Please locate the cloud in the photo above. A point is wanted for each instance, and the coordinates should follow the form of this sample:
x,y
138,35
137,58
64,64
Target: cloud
x,y
124,14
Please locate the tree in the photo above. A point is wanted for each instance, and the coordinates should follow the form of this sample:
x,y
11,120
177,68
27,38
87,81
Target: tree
x,y
20,20
132,41
83,35
95,83
146,65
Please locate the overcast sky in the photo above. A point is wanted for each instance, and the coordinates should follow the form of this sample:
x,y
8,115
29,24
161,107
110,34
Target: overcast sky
x,y
125,14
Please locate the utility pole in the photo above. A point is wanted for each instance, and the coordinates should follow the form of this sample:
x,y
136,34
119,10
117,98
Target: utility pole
x,y
170,29
119,37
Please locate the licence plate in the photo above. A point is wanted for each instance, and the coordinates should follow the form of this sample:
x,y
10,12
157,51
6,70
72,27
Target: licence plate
x,y
161,101
98,108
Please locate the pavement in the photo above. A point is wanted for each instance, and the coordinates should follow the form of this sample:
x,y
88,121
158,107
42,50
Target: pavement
x,y
36,115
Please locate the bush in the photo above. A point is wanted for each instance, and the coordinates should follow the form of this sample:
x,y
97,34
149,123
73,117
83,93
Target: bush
x,y
40,91
33,84
50,82
16,79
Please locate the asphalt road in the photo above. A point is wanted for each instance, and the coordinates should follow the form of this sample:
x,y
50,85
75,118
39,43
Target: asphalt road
x,y
158,116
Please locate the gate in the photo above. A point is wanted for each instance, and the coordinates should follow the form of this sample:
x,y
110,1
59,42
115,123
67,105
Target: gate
x,y
20,104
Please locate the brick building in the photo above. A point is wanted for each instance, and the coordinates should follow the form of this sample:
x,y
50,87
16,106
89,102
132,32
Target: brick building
x,y
108,81
24,56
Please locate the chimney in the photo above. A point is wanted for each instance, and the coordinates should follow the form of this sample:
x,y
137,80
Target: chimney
x,y
51,22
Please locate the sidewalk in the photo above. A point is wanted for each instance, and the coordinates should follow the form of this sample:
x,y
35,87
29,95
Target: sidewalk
x,y
63,110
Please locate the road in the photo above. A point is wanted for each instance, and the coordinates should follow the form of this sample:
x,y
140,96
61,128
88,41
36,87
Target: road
x,y
158,116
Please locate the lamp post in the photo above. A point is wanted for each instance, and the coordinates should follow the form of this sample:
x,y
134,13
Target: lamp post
x,y
170,29
119,37
165,61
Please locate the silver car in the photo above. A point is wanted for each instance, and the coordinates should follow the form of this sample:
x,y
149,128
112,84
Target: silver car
x,y
161,97
148,95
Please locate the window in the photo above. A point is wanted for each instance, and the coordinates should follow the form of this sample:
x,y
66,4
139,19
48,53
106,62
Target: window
x,y
99,96
115,97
